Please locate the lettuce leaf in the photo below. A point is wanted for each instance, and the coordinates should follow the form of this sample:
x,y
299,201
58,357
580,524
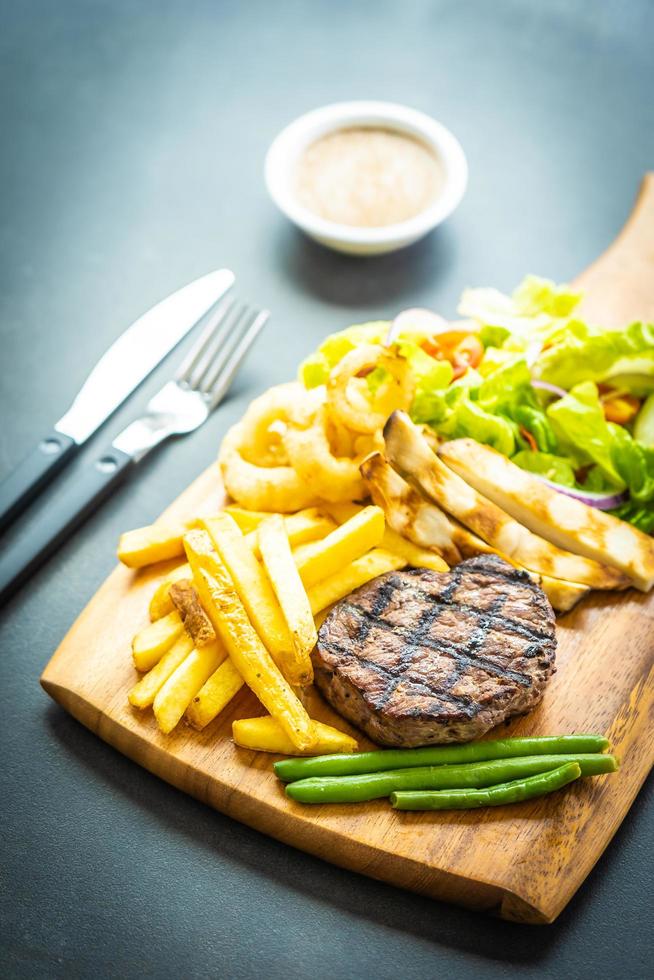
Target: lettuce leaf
x,y
430,375
526,318
584,353
508,392
314,370
579,424
554,468
634,462
490,410
620,461
640,515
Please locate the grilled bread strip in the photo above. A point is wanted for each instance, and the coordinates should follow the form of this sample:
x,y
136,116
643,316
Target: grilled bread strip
x,y
424,523
409,453
407,512
564,521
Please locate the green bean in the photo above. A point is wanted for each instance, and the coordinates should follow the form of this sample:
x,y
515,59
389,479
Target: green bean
x,y
468,799
374,786
363,762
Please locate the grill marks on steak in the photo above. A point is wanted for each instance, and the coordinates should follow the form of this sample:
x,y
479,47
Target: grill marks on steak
x,y
418,657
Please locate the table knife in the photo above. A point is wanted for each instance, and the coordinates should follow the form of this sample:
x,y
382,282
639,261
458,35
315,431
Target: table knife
x,y
118,372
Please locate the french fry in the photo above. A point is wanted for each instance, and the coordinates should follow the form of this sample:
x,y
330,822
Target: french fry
x,y
161,603
146,545
304,551
175,695
196,622
266,735
151,643
247,520
254,589
341,512
307,525
291,594
415,556
245,648
344,545
331,589
143,694
214,695
320,617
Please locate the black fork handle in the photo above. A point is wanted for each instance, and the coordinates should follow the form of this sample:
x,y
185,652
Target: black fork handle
x,y
30,476
57,521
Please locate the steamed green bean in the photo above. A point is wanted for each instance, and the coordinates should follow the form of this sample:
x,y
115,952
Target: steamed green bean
x,y
289,770
373,786
467,799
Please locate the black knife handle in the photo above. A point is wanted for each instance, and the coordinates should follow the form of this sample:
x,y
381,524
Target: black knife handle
x,y
57,521
30,476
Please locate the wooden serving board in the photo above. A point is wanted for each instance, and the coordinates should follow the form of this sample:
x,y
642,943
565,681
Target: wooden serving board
x,y
523,862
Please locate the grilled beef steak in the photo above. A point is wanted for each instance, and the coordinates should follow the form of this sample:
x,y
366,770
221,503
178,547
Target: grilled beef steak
x,y
420,657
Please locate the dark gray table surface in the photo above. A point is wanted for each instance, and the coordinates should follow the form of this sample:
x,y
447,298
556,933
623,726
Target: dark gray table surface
x,y
133,136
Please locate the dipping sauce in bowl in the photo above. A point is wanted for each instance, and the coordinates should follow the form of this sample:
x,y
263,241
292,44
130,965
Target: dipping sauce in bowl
x,y
368,178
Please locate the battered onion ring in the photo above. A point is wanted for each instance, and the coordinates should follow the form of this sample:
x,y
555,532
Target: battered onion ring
x,y
330,477
265,421
357,410
272,488
365,445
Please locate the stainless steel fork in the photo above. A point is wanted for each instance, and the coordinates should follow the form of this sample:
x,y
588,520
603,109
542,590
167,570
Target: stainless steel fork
x,y
181,406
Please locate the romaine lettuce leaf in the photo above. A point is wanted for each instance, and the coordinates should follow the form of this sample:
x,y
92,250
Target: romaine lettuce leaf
x,y
554,468
634,462
508,392
315,369
429,374
640,515
620,461
522,320
583,353
579,424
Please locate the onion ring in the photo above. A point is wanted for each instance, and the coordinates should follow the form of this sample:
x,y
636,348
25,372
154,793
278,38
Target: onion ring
x,y
354,408
268,488
333,478
265,421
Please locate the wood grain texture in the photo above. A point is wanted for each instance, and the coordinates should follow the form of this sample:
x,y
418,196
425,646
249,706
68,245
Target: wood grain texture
x,y
523,862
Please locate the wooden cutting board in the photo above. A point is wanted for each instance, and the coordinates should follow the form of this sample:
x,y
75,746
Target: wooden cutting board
x,y
523,862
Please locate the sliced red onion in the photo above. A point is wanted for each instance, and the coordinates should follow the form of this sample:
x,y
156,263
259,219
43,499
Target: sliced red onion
x,y
602,501
417,318
546,386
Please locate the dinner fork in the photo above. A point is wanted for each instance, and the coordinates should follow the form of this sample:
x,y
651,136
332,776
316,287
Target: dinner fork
x,y
180,407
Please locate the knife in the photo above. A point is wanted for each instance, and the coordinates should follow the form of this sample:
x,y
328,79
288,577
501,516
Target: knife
x,y
118,372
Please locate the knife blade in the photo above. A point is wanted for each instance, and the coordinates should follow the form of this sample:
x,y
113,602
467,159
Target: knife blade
x,y
119,371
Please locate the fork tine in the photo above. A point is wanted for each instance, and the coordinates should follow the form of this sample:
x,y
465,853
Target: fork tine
x,y
220,344
225,368
221,356
217,320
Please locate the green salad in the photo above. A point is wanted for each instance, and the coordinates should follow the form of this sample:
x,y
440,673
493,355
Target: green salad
x,y
566,400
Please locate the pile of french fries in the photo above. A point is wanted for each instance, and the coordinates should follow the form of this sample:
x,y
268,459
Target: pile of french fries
x,y
244,608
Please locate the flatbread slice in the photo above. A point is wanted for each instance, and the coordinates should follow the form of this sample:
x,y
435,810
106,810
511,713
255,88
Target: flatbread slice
x,y
564,521
411,456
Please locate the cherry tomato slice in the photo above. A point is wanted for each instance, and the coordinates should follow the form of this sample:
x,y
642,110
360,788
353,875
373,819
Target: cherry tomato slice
x,y
470,350
621,410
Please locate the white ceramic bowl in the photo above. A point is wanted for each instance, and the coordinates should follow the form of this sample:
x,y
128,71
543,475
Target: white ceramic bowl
x,y
284,153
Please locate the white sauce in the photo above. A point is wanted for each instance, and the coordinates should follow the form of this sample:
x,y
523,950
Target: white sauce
x,y
368,177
